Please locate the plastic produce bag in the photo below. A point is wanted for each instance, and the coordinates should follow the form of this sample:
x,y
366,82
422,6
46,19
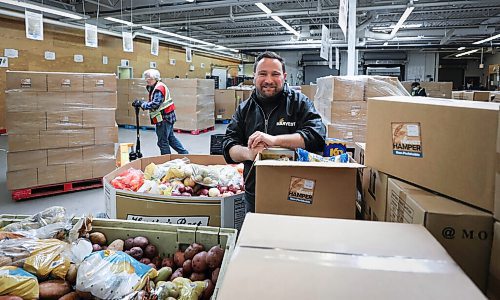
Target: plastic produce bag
x,y
130,180
51,215
17,282
39,257
306,156
112,275
189,290
157,172
150,187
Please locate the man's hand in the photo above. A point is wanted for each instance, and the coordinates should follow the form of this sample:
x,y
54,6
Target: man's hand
x,y
137,103
258,138
256,150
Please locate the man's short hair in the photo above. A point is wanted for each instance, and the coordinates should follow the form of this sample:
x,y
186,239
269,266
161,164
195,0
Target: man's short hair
x,y
415,84
269,54
152,73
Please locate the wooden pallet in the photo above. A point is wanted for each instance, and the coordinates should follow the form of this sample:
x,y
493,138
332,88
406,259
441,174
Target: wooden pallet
x,y
55,189
195,132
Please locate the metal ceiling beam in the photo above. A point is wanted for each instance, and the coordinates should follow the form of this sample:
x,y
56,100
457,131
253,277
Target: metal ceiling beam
x,y
447,36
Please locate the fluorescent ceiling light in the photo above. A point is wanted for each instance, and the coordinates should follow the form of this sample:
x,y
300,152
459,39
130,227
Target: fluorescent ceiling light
x,y
189,0
461,48
487,40
119,21
403,18
466,53
264,8
43,9
386,43
277,19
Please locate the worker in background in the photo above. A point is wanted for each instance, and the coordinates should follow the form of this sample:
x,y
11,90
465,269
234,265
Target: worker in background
x,y
161,112
417,90
273,116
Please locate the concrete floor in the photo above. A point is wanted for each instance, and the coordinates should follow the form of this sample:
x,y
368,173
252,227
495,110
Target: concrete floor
x,y
92,201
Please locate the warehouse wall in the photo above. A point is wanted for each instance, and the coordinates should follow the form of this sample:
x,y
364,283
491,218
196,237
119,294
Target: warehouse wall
x,y
420,66
292,59
68,42
472,69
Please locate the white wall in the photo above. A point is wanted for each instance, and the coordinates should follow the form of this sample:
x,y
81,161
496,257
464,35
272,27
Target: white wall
x,y
420,65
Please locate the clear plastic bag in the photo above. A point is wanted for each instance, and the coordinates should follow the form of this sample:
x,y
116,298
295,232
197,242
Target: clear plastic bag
x,y
158,172
306,156
130,180
51,215
112,275
17,282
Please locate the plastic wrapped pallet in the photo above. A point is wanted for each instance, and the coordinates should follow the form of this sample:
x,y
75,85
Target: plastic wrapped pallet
x,y
52,119
433,89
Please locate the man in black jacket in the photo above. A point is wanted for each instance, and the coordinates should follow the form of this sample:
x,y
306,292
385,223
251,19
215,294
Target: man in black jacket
x,y
273,116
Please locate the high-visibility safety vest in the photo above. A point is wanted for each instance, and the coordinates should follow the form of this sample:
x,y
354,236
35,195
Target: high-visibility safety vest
x,y
166,106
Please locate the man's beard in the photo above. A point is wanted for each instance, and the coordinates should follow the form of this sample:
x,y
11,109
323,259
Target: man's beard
x,y
262,95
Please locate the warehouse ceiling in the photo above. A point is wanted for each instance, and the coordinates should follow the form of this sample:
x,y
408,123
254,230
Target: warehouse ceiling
x,y
241,25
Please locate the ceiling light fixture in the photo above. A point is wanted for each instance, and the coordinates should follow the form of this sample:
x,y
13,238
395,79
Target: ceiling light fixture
x,y
265,9
466,53
119,21
190,1
43,9
386,43
403,18
461,48
487,40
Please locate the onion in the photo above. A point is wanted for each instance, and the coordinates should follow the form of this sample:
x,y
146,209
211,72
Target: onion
x,y
213,192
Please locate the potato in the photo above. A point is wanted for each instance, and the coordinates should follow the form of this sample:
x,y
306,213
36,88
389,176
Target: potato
x,y
9,297
200,262
70,296
214,257
197,277
192,250
209,290
129,244
187,267
215,275
167,262
179,258
141,241
96,247
54,289
71,275
98,238
157,262
117,245
177,273
150,251
136,252
145,260
84,295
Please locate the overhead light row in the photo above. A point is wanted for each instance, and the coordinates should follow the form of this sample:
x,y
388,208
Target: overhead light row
x,y
265,9
487,39
43,9
466,53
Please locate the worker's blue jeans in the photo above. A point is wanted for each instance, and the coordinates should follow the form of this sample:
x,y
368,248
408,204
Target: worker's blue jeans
x,y
167,139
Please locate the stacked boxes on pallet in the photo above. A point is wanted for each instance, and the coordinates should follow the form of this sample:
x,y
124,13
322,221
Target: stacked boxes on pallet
x,y
341,101
225,104
61,127
433,89
194,103
128,91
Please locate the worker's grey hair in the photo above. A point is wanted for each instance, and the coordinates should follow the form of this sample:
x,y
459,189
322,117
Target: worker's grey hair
x,y
152,73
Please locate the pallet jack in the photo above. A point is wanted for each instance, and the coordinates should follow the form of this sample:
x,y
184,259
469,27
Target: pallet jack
x,y
133,155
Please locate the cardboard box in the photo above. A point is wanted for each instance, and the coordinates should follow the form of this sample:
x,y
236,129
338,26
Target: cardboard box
x,y
466,233
99,117
99,82
26,160
26,122
468,96
482,96
64,119
347,259
21,179
64,156
410,139
457,95
16,101
65,82
51,175
382,86
81,137
106,135
375,194
54,139
102,167
78,171
309,91
23,142
51,101
104,100
78,101
225,104
26,81
243,95
339,88
349,133
99,152
227,212
494,276
306,188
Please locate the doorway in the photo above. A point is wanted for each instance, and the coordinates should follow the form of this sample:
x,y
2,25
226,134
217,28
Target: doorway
x,y
125,72
222,74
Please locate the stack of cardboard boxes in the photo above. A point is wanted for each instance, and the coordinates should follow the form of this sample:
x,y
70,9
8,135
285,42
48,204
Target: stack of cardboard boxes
x,y
341,101
420,172
225,104
128,91
61,127
472,95
194,103
433,89
309,91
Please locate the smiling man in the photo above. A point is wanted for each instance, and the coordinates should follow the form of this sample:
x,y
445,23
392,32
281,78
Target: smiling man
x,y
273,116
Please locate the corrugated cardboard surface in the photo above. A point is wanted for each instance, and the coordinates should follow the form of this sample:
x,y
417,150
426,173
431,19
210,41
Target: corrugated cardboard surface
x,y
26,122
51,175
26,160
309,91
16,101
494,278
65,156
225,104
348,132
23,142
51,101
104,100
106,135
447,129
99,82
334,191
103,117
60,82
101,167
64,119
466,233
341,259
375,194
78,171
32,81
106,151
21,178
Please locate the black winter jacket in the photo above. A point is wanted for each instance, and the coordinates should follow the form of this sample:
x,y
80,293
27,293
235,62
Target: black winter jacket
x,y
295,113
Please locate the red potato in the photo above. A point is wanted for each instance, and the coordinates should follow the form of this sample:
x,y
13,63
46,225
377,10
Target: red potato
x,y
188,190
185,194
209,290
215,275
70,296
145,260
167,262
214,257
150,251
192,250
197,277
156,261
54,289
136,252
141,242
129,243
178,273
98,238
179,258
187,267
200,262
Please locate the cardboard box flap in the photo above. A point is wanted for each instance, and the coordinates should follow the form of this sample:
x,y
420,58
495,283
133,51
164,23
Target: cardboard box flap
x,y
280,163
338,236
441,102
433,203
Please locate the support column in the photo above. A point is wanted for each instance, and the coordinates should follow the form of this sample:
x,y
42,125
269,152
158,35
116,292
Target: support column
x,y
352,64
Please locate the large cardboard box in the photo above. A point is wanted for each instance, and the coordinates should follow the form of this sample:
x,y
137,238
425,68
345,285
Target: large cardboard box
x,y
494,278
106,151
99,82
23,142
76,101
306,188
375,194
382,86
26,81
347,132
51,175
426,140
340,259
340,88
16,101
103,166
98,117
242,95
26,122
54,139
22,179
435,89
309,91
106,135
64,156
226,212
466,233
65,82
64,119
481,96
26,160
51,101
225,104
104,100
78,171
